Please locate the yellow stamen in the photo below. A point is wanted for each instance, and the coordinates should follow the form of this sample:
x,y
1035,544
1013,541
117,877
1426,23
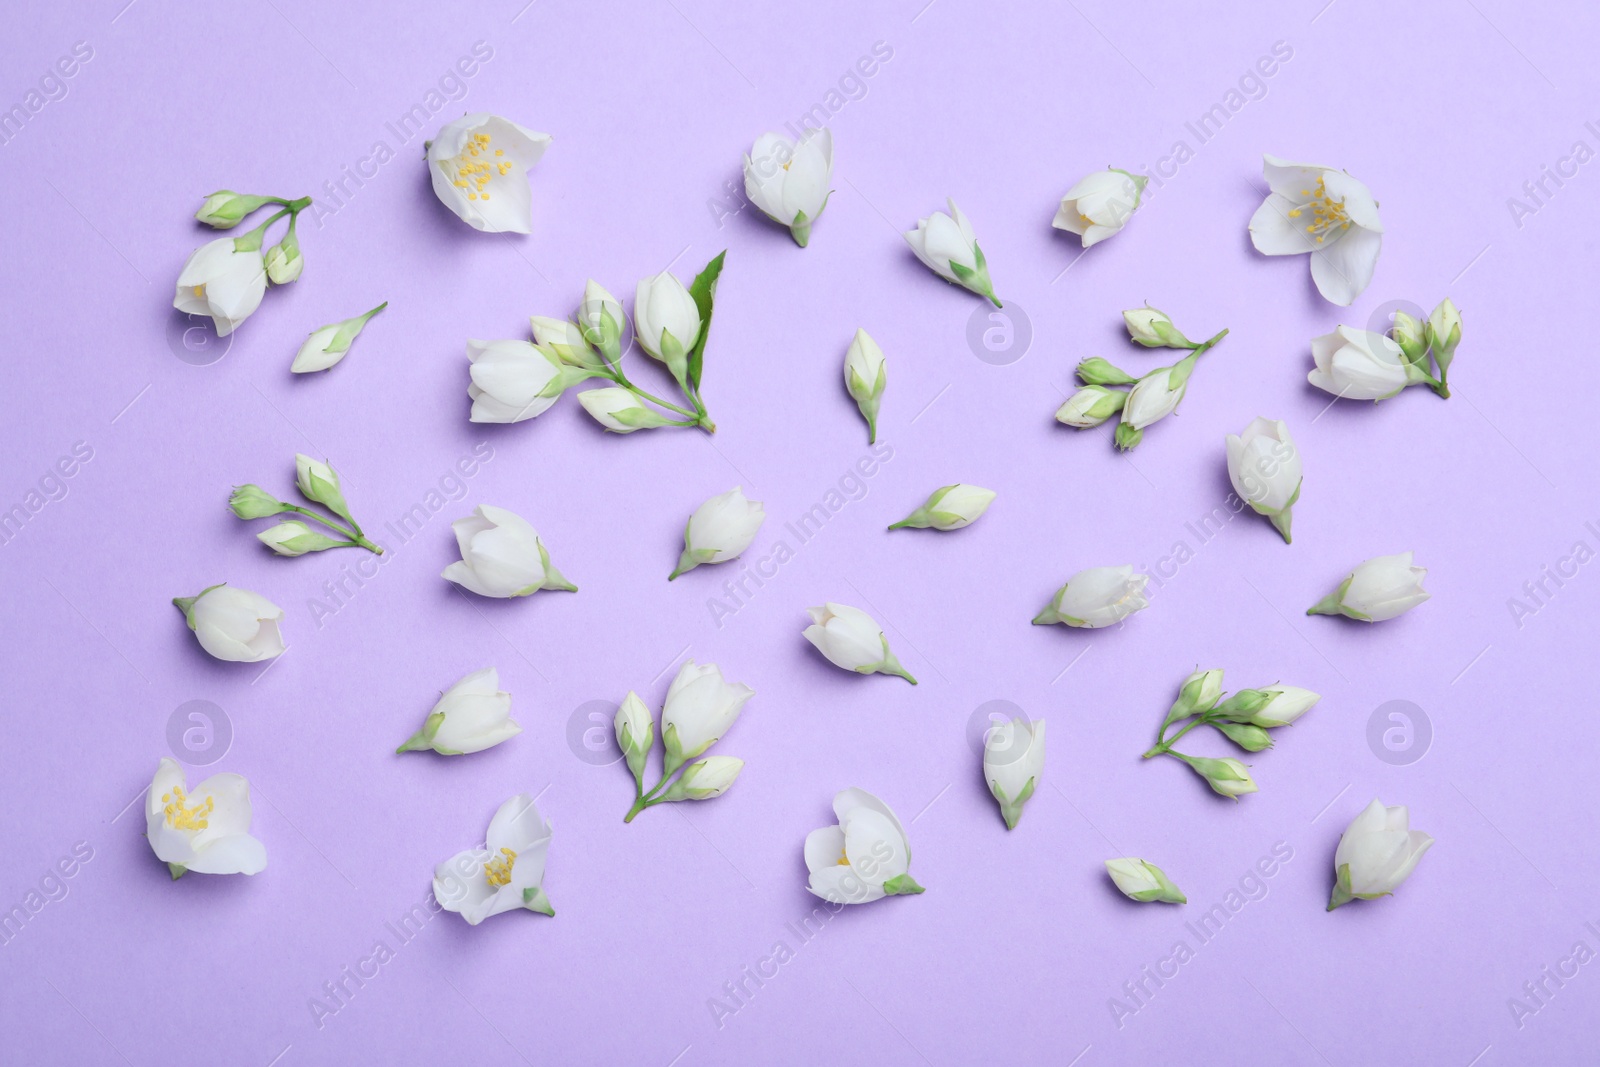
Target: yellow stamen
x,y
498,872
1328,214
184,816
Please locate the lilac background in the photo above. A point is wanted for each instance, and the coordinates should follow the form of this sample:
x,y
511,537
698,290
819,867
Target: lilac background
x,y
1012,956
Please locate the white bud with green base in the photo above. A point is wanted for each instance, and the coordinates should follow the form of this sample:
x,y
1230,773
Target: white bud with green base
x,y
225,209
635,730
295,538
949,508
1153,328
327,346
1143,881
704,779
866,374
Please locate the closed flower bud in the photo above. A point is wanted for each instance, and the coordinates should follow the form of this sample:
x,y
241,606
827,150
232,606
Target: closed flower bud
x,y
1097,371
1090,406
1156,396
852,640
1246,735
1143,881
1411,336
502,556
328,345
1285,704
865,375
234,624
254,502
704,779
1227,777
1199,692
719,530
566,340
1378,851
295,538
319,483
601,319
1013,758
1444,330
947,245
666,321
471,715
1152,328
1099,596
635,733
949,508
515,380
283,260
1360,365
1264,466
225,209
788,181
619,411
700,708
222,281
1379,589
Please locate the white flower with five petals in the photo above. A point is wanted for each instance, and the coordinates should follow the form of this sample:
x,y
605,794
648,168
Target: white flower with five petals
x,y
1323,212
207,830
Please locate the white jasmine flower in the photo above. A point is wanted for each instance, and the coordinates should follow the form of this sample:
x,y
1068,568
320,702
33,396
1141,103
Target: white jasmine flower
x,y
1323,212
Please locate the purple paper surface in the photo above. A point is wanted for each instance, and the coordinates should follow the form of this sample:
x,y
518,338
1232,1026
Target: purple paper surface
x,y
1473,123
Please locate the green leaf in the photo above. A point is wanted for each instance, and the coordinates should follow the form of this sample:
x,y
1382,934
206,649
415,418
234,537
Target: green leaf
x,y
902,885
704,291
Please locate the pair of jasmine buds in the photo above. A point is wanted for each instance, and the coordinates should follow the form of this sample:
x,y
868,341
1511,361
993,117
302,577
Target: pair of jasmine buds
x,y
1243,718
1139,400
1366,365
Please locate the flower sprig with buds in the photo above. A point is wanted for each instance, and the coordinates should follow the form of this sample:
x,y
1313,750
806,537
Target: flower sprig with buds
x,y
517,380
1149,398
1244,718
700,708
1363,365
226,278
318,483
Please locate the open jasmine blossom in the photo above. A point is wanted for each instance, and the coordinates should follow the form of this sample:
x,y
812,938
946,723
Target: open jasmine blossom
x,y
206,831
865,857
850,639
479,164
1325,213
507,873
471,715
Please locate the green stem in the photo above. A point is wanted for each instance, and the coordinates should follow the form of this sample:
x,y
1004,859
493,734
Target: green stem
x,y
1212,343
1162,746
356,538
